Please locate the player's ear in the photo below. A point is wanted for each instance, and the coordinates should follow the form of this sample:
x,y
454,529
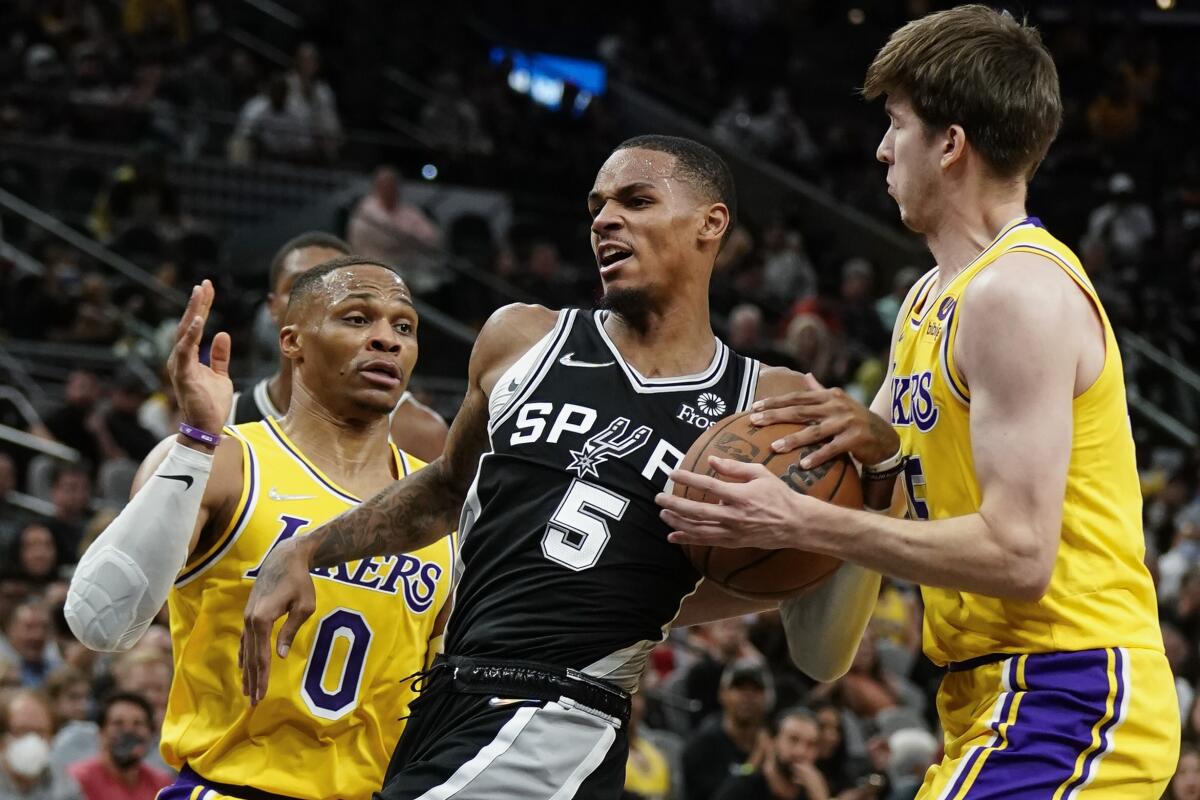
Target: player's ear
x,y
715,222
954,145
289,341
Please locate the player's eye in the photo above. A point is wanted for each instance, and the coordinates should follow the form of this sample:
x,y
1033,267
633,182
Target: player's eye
x,y
355,319
405,328
640,202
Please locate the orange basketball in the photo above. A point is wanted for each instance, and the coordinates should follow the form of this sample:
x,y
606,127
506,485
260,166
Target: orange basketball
x,y
749,571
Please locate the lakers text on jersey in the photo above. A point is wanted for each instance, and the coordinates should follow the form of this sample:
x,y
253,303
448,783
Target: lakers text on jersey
x,y
334,707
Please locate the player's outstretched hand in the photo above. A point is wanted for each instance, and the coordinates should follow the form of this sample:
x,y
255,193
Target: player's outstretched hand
x,y
756,509
831,416
205,393
284,587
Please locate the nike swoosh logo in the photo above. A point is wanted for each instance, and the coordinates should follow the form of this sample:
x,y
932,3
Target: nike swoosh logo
x,y
275,495
186,480
568,361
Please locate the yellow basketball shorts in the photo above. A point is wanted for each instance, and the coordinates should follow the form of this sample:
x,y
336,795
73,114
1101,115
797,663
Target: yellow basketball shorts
x,y
1057,726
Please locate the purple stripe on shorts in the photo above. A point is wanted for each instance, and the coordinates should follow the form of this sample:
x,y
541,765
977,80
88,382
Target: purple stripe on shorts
x,y
1105,742
1000,719
1066,695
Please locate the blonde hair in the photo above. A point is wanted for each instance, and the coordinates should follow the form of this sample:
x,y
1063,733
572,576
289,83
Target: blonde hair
x,y
982,69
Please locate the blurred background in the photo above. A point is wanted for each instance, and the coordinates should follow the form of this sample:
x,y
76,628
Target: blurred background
x,y
147,144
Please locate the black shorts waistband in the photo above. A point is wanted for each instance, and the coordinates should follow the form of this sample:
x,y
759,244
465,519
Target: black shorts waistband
x,y
978,661
240,792
527,680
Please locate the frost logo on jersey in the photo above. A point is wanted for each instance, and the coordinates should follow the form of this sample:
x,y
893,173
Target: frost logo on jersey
x,y
611,441
708,405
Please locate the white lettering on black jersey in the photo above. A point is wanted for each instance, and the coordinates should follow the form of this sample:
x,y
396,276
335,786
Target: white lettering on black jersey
x,y
565,559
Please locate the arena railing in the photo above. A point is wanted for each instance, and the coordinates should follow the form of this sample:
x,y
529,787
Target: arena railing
x,y
1172,406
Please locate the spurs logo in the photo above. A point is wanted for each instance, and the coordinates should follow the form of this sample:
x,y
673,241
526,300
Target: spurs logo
x,y
610,442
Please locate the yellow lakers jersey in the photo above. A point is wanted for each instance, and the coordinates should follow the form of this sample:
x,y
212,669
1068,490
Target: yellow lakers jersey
x,y
1100,592
334,707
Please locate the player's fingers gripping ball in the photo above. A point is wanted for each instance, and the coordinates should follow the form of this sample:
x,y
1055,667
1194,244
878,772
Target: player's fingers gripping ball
x,y
749,571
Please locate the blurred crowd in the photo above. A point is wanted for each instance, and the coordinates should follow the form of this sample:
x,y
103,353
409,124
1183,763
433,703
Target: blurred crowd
x,y
722,713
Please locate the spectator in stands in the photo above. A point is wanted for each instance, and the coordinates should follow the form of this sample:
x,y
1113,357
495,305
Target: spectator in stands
x,y
76,736
811,347
840,767
146,671
139,194
12,515
118,772
1176,649
161,22
97,319
68,424
35,553
547,278
1186,783
312,101
856,315
121,418
70,695
647,774
71,494
384,226
720,644
1122,227
911,752
734,741
270,128
452,119
788,275
26,725
788,770
870,687
27,641
746,335
888,306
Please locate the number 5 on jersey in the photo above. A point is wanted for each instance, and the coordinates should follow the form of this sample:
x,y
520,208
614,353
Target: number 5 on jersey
x,y
578,531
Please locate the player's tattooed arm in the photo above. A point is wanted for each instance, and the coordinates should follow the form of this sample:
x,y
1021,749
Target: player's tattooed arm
x,y
416,511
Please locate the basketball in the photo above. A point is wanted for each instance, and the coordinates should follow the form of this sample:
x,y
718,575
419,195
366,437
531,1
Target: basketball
x,y
751,572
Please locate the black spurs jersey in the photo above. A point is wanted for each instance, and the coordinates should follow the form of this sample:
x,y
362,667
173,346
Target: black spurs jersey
x,y
565,560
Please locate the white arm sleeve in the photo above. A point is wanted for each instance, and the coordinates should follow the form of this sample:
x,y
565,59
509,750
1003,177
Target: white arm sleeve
x,y
123,579
825,626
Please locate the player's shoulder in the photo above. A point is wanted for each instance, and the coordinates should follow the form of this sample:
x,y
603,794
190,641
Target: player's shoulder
x,y
1020,284
510,331
774,381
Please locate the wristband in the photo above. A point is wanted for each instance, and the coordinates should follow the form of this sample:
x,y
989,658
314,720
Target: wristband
x,y
204,437
888,468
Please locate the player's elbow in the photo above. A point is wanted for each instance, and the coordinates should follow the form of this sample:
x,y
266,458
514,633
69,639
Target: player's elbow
x,y
821,670
1030,566
90,629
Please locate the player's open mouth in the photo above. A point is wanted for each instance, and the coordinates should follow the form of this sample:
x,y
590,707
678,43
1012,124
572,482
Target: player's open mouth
x,y
610,256
381,373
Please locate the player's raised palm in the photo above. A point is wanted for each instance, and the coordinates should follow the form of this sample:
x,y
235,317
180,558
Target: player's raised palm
x,y
204,392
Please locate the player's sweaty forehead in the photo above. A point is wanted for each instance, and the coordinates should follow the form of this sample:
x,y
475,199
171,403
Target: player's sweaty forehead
x,y
634,166
366,281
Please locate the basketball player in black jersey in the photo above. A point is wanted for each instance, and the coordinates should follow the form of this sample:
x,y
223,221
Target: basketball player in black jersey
x,y
416,428
572,422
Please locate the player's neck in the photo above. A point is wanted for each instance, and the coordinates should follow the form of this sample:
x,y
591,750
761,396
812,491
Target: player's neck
x,y
279,387
677,340
967,228
355,453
